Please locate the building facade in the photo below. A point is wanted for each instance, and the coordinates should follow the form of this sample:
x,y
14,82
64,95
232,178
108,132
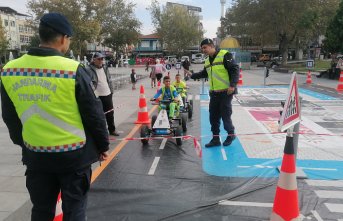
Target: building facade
x,y
17,29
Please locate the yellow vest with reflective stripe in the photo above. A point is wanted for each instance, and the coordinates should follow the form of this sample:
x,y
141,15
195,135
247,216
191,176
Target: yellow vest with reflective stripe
x,y
171,88
43,94
181,85
217,74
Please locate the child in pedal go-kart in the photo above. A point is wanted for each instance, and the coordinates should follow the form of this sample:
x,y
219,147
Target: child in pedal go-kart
x,y
168,92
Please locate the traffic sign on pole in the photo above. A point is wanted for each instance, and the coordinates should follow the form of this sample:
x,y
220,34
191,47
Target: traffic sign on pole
x,y
291,111
168,66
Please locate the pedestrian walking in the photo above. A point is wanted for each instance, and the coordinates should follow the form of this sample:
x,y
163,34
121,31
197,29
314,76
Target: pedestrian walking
x,y
186,64
147,65
223,74
153,77
133,77
159,69
101,81
52,113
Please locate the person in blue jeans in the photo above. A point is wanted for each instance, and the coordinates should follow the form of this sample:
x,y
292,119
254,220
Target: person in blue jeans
x,y
168,92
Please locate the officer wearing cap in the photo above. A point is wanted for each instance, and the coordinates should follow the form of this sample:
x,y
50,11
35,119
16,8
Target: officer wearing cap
x,y
223,74
52,113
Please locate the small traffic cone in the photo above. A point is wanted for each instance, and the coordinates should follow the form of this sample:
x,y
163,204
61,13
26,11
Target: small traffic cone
x,y
340,82
58,212
286,206
309,78
158,86
240,81
143,115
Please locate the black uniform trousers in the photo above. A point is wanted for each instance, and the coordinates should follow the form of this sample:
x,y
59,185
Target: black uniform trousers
x,y
44,188
107,105
221,108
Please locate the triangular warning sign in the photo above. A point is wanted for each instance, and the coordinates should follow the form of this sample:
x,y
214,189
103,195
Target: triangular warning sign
x,y
291,110
162,121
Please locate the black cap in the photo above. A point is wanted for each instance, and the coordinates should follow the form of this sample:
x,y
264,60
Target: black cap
x,y
206,41
98,55
58,22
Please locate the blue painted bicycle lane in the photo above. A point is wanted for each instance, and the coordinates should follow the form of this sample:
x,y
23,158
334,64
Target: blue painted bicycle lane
x,y
232,161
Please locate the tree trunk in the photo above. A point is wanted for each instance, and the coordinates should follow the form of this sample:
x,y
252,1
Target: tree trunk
x,y
284,48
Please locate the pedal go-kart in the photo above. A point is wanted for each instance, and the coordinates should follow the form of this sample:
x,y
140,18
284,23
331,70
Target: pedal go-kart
x,y
163,126
187,106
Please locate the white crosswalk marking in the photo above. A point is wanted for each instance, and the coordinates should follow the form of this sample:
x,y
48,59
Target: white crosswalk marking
x,y
334,207
324,189
329,194
336,183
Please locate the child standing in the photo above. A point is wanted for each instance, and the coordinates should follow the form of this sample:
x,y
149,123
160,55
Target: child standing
x,y
133,79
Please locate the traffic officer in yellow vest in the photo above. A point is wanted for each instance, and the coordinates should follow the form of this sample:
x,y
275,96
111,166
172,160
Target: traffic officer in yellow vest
x,y
50,109
223,74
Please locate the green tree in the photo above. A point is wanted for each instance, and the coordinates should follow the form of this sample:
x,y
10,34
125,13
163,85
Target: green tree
x,y
334,32
279,22
84,15
120,27
3,41
178,28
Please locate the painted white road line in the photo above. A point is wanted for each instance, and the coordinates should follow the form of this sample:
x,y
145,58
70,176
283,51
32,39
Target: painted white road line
x,y
241,203
153,166
335,183
163,144
316,215
223,153
328,194
313,168
334,207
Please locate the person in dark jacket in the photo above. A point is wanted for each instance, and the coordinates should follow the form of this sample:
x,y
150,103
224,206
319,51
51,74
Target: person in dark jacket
x,y
101,80
51,111
133,77
223,74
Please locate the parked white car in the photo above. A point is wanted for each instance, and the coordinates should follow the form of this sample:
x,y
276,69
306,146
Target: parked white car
x,y
183,58
198,61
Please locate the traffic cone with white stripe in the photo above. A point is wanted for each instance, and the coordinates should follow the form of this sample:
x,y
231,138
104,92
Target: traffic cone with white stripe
x,y
309,77
340,82
58,212
143,115
240,81
286,206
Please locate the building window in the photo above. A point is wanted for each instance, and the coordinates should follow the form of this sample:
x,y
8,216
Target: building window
x,y
145,44
21,28
12,23
6,22
24,39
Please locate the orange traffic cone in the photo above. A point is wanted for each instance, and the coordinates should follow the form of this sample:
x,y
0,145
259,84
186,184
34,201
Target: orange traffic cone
x,y
340,82
240,81
143,115
286,206
58,212
309,78
158,86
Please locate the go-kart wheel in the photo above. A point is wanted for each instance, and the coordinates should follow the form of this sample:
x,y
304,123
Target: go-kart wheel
x,y
190,111
145,134
153,120
178,133
184,122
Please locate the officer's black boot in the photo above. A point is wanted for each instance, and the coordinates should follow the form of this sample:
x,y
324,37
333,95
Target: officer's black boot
x,y
214,142
229,140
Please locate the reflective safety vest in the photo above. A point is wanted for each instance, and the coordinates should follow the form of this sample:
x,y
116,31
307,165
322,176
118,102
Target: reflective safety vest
x,y
217,74
181,85
42,90
172,89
